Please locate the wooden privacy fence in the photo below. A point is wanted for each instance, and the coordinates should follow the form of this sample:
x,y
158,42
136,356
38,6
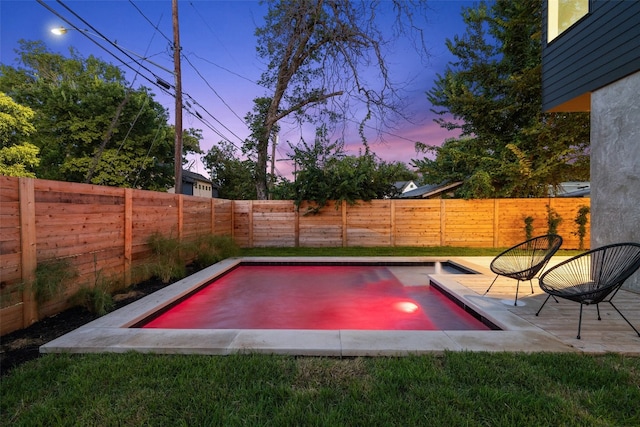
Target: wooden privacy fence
x,y
104,230
99,230
487,223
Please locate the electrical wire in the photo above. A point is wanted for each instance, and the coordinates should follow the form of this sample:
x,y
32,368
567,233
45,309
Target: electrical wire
x,y
102,36
213,90
155,27
206,24
200,75
88,36
136,72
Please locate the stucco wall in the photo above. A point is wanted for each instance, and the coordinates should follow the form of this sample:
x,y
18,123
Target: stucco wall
x,y
615,165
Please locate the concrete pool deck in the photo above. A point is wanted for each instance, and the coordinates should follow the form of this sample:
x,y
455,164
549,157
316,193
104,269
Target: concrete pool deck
x,y
553,331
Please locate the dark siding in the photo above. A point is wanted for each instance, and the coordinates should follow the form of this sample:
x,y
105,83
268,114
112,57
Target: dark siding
x,y
187,188
601,48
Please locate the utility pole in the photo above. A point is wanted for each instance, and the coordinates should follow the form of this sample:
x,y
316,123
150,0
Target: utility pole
x,y
178,85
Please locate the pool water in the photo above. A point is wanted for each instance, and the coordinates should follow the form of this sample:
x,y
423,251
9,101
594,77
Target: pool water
x,y
321,297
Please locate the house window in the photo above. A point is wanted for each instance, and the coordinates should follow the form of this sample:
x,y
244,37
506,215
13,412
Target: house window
x,y
562,14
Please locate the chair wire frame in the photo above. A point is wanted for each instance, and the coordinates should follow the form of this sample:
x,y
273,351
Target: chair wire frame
x,y
592,277
525,260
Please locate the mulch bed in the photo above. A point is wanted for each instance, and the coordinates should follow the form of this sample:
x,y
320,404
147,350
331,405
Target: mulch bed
x,y
23,345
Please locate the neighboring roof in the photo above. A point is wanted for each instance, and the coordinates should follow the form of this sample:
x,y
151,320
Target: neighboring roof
x,y
402,186
578,193
190,177
427,191
572,189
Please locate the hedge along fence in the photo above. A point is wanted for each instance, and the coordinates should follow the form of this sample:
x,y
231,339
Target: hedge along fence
x,y
103,231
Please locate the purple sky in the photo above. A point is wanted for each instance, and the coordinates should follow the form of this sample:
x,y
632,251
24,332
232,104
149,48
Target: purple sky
x,y
217,38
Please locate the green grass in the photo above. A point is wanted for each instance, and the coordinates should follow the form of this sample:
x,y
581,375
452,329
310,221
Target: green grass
x,y
439,251
452,389
497,389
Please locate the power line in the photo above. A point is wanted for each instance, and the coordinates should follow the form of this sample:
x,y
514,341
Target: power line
x,y
163,86
196,70
99,34
213,90
215,119
155,27
204,21
88,36
226,69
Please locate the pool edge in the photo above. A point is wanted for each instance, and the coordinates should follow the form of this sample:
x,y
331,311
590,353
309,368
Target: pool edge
x,y
111,333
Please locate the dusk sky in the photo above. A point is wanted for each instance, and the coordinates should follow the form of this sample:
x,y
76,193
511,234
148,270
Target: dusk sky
x,y
221,66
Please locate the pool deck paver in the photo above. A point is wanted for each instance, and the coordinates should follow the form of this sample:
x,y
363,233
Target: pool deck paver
x,y
553,331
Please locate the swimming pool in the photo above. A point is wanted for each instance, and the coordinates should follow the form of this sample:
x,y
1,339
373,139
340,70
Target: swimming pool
x,y
119,331
331,296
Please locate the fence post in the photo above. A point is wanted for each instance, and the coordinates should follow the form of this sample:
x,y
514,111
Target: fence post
x,y
343,207
496,223
29,260
392,216
180,216
296,212
233,219
213,216
128,234
250,223
442,223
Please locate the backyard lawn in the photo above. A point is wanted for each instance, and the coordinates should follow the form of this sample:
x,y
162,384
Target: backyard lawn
x,y
452,388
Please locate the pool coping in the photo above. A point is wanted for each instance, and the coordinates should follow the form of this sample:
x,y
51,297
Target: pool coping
x,y
113,332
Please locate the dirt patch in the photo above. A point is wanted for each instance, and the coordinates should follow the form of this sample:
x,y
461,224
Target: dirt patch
x,y
21,346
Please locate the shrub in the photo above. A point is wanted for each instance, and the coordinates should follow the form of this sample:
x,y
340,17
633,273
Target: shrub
x,y
51,277
582,218
528,227
553,220
168,258
97,300
210,249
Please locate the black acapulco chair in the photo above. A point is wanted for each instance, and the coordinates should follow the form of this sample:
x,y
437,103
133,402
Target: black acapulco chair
x,y
593,276
524,260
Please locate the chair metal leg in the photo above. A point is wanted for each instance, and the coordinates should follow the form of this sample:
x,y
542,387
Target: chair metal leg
x,y
580,321
627,320
598,310
545,301
517,290
531,283
494,281
554,297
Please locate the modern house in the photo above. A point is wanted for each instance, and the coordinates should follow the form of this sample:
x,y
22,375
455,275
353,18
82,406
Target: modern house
x,y
194,184
591,62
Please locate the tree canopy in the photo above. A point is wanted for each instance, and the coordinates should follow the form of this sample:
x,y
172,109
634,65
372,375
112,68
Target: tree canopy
x,y
92,125
318,54
233,175
325,172
18,157
492,94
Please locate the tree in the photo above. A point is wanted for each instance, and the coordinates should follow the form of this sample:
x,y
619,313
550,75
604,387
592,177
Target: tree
x,y
233,175
508,146
325,172
92,126
18,157
319,51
